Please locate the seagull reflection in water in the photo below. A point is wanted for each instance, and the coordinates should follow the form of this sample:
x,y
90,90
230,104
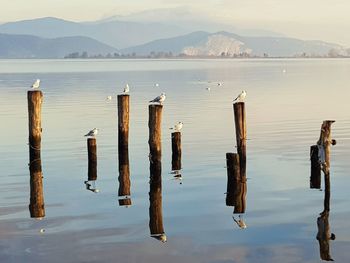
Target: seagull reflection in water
x,y
90,185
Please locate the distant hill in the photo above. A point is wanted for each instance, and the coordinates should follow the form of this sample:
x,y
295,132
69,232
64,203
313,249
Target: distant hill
x,y
27,46
228,44
119,34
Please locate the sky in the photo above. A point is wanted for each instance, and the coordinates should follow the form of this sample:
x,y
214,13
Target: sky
x,y
306,19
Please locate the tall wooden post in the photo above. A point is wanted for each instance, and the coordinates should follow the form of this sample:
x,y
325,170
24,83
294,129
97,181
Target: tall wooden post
x,y
92,159
155,194
176,151
123,148
241,134
36,206
315,178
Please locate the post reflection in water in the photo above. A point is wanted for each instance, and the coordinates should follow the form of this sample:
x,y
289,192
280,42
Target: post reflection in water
x,y
36,206
236,189
124,176
155,199
324,234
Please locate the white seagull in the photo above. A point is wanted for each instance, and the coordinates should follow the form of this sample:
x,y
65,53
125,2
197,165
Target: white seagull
x,y
240,97
126,88
178,126
36,84
92,133
160,99
109,98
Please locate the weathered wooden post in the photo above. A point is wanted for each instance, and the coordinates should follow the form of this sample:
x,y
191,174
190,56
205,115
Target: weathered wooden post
x,y
176,151
241,134
92,159
233,177
155,194
315,178
324,146
240,197
36,206
123,148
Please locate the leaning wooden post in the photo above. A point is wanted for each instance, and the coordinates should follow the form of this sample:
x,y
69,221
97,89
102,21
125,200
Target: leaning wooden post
x,y
92,159
241,134
176,151
155,155
324,146
233,177
36,206
315,178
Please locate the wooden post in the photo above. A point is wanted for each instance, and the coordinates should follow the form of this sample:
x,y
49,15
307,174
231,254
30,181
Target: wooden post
x,y
324,144
123,120
315,178
92,159
241,134
176,151
233,177
36,205
155,194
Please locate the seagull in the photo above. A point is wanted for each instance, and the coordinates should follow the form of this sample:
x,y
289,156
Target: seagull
x,y
160,99
161,237
177,127
208,89
126,88
156,85
240,222
240,97
109,98
36,84
219,83
92,133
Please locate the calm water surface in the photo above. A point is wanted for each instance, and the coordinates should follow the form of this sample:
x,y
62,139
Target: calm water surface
x,y
286,103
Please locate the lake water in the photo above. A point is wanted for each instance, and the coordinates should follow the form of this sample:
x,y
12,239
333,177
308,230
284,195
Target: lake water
x,y
287,100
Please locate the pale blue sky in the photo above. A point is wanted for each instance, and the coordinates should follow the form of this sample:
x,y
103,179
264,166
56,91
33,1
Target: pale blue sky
x,y
306,19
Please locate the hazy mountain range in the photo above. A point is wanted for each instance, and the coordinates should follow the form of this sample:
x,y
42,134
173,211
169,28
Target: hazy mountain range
x,y
145,33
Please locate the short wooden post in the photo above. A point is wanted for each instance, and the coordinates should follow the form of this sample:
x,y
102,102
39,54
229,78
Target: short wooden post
x,y
155,194
241,134
324,144
233,177
92,159
123,120
315,178
124,173
176,151
36,206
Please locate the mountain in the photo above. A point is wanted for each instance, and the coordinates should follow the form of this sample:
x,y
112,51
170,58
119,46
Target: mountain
x,y
228,44
27,46
119,34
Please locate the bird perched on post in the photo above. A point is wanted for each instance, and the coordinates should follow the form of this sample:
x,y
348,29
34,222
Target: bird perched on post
x,y
36,84
92,133
177,127
126,88
160,99
240,97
